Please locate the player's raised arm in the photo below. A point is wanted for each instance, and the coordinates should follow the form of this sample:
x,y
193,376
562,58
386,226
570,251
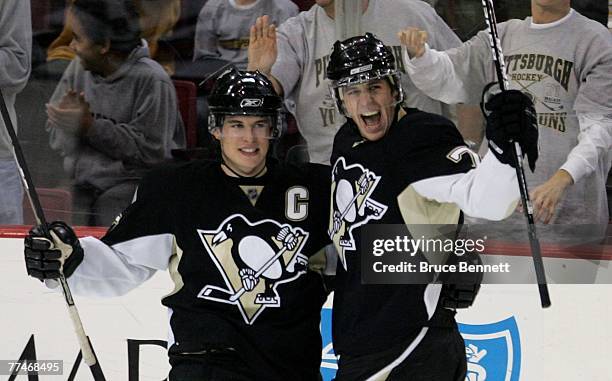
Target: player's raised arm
x,y
490,190
91,267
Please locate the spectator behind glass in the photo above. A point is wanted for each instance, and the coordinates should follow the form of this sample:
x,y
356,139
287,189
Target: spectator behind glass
x,y
223,27
156,18
304,44
569,80
114,113
15,53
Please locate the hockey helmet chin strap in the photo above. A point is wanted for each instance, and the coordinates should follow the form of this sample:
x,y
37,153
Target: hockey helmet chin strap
x,y
239,175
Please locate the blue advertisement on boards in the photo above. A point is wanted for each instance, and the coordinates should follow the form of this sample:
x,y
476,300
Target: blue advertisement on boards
x,y
493,350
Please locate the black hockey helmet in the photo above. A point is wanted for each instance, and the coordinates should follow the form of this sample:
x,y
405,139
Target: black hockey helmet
x,y
244,93
358,60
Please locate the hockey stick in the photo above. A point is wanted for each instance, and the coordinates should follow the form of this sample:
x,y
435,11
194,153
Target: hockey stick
x,y
86,347
500,68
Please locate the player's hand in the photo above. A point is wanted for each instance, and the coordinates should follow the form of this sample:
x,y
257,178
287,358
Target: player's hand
x,y
511,117
247,275
545,198
49,257
414,40
262,50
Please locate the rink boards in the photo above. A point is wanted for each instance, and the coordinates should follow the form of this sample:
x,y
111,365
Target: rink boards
x,y
508,336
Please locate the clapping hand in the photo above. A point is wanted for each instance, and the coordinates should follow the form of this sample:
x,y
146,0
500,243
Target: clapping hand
x,y
71,114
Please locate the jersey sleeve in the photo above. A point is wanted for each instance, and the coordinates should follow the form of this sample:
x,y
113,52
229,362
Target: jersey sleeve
x,y
449,172
488,191
437,147
135,247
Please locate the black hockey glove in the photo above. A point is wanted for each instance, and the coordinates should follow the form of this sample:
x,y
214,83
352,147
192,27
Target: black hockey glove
x,y
512,117
47,258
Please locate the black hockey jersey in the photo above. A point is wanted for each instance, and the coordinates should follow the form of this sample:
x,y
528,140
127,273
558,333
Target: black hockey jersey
x,y
241,252
370,182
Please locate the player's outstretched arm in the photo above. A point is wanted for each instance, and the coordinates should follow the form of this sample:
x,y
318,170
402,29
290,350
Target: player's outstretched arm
x,y
91,267
490,190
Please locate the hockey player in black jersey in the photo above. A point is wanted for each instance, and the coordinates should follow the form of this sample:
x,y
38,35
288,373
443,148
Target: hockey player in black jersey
x,y
243,238
412,168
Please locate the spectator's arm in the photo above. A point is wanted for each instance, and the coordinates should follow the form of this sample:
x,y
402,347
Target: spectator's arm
x,y
288,68
15,44
60,140
144,140
594,141
456,75
593,105
434,74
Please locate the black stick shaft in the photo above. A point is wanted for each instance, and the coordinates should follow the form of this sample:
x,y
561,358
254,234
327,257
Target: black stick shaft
x,y
28,184
26,178
500,68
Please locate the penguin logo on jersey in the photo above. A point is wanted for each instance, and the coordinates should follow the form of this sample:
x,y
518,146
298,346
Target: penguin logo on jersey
x,y
352,205
254,259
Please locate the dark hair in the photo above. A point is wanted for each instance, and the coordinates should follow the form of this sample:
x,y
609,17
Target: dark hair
x,y
115,21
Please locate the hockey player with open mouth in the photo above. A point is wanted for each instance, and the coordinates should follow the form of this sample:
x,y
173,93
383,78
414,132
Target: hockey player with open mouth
x,y
397,165
243,238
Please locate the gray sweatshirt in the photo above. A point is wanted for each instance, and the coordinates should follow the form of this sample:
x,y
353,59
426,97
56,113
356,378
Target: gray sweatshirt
x,y
136,122
223,27
15,53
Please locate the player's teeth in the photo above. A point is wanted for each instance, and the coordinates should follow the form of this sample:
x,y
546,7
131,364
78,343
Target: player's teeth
x,y
249,150
370,113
